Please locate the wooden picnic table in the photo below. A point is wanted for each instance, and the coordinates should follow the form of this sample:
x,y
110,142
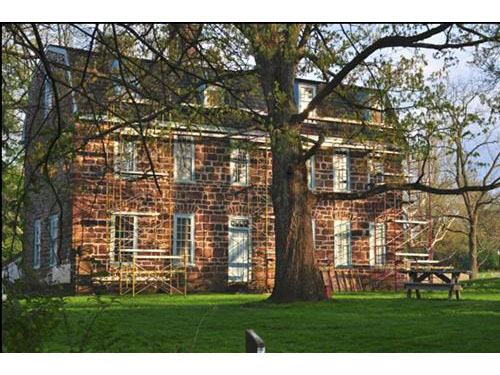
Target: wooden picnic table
x,y
419,276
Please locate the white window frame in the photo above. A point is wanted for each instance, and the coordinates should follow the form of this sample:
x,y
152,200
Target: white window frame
x,y
114,217
311,172
313,228
176,152
376,171
119,153
248,229
381,243
232,167
206,94
37,243
175,251
48,97
53,238
342,228
300,105
345,153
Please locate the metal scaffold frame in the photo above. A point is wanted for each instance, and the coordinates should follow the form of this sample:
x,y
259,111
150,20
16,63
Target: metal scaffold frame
x,y
131,218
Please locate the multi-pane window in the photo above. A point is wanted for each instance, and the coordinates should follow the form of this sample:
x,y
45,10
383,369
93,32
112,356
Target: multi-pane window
x,y
212,96
48,96
376,170
37,242
342,243
239,165
184,160
341,170
311,178
124,237
306,94
378,247
53,238
184,236
126,156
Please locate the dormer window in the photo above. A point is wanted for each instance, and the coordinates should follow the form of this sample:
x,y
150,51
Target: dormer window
x,y
212,96
306,93
123,79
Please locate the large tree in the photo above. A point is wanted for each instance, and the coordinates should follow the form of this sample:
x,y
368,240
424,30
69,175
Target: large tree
x,y
385,58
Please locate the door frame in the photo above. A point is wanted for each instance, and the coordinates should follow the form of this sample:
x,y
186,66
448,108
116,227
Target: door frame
x,y
250,249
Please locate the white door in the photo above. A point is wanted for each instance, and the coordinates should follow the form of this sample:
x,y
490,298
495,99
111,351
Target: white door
x,y
238,257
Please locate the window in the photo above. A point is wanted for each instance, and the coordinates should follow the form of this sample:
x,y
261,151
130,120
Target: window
x,y
378,248
306,94
124,237
375,171
184,160
313,225
37,242
126,156
239,166
212,96
122,77
341,170
342,243
48,97
184,236
54,236
311,177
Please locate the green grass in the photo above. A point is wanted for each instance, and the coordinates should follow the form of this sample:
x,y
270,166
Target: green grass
x,y
356,322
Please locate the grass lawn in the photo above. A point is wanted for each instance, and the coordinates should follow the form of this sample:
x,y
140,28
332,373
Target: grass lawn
x,y
355,322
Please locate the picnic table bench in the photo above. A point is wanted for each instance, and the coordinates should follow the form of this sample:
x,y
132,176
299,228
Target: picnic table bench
x,y
418,277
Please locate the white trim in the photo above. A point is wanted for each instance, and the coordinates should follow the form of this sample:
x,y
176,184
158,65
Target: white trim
x,y
53,241
193,153
345,226
37,243
344,154
192,234
232,166
248,230
135,239
48,99
313,226
64,52
311,172
374,260
301,85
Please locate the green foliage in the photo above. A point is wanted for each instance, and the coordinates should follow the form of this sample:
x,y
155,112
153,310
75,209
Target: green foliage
x,y
28,324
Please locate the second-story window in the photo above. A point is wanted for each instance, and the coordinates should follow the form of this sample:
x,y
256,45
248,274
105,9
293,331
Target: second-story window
x,y
311,178
376,170
306,94
239,167
126,156
341,170
184,160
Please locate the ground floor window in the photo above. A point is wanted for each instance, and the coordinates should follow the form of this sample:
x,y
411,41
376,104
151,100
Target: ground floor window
x,y
124,237
342,243
184,236
54,237
37,242
378,248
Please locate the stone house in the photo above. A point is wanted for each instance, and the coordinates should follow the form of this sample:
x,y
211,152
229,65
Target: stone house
x,y
111,195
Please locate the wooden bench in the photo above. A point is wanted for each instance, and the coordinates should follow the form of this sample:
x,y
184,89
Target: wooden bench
x,y
429,286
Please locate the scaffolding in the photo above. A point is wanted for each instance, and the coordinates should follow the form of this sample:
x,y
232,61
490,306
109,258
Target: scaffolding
x,y
139,212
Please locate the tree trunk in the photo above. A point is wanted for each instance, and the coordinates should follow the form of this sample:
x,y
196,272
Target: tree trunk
x,y
473,248
297,276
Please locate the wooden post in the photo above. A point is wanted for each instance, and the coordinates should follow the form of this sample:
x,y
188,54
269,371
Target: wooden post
x,y
254,343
